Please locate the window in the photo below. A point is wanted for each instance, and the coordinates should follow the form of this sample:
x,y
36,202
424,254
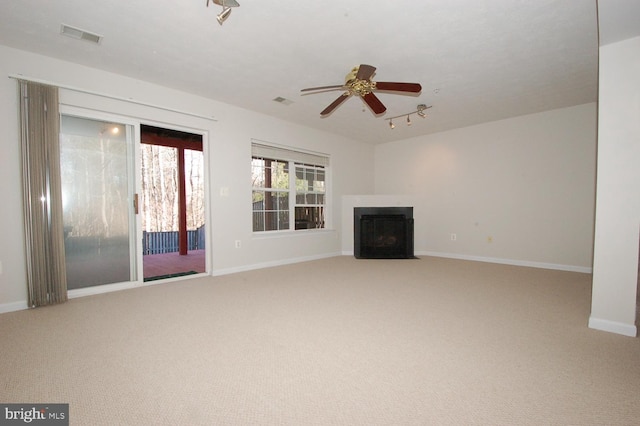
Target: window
x,y
270,194
310,194
289,189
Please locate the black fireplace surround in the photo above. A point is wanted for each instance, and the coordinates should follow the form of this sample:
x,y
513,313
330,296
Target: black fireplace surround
x,y
383,232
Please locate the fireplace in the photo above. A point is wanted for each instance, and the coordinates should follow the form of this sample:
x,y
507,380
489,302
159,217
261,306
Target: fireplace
x,y
383,232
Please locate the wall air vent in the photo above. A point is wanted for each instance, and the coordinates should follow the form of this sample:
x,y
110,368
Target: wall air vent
x,y
80,34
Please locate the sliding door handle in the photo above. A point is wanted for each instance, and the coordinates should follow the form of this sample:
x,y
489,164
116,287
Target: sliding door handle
x,y
135,203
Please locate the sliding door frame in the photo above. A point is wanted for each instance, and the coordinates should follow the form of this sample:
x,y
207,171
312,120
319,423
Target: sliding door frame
x,y
134,184
135,170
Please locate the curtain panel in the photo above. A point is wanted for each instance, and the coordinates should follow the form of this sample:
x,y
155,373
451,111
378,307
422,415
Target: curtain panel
x,y
42,195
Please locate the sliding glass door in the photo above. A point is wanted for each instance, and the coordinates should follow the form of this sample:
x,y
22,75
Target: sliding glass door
x,y
98,201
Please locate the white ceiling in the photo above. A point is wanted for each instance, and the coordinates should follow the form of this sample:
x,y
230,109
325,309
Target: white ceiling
x,y
477,60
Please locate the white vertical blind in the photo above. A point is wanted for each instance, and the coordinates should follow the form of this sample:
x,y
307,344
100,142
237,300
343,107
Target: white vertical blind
x,y
42,198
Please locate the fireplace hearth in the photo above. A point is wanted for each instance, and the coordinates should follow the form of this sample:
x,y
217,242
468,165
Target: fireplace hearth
x,y
383,232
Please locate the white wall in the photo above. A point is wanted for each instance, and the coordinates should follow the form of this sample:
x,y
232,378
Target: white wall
x,y
228,152
615,267
518,191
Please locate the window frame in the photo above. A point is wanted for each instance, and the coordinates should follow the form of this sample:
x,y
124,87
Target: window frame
x,y
294,159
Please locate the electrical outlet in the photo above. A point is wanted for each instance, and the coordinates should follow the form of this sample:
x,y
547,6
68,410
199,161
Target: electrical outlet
x,y
454,237
238,244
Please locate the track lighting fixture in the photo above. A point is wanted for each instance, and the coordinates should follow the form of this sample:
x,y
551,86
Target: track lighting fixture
x,y
419,111
226,8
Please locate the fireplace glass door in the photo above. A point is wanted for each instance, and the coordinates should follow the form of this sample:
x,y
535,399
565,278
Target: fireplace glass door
x,y
383,232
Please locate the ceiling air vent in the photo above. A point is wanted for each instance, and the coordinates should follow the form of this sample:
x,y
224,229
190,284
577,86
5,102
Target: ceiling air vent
x,y
282,100
80,34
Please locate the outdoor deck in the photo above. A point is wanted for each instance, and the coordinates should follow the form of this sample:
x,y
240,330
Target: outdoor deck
x,y
166,264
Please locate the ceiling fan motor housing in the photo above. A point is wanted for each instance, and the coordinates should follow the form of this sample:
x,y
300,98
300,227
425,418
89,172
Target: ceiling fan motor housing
x,y
361,87
357,86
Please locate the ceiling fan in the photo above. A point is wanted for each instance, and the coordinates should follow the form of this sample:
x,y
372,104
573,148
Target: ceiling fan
x,y
358,82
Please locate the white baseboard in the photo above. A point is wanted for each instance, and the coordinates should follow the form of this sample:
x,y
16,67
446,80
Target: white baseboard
x,y
613,327
13,306
514,262
226,271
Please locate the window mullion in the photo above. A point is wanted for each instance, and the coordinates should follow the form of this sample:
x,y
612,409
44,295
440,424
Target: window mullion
x,y
292,195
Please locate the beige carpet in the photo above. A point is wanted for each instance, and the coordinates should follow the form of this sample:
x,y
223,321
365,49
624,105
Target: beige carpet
x,y
338,341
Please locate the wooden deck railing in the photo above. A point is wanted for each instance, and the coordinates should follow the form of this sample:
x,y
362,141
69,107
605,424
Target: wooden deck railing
x,y
167,242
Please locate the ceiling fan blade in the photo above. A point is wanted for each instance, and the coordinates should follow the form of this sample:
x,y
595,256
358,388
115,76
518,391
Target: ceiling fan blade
x,y
309,89
398,87
335,104
374,103
365,72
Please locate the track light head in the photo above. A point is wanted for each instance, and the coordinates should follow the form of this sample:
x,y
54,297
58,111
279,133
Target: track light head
x,y
226,8
222,16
